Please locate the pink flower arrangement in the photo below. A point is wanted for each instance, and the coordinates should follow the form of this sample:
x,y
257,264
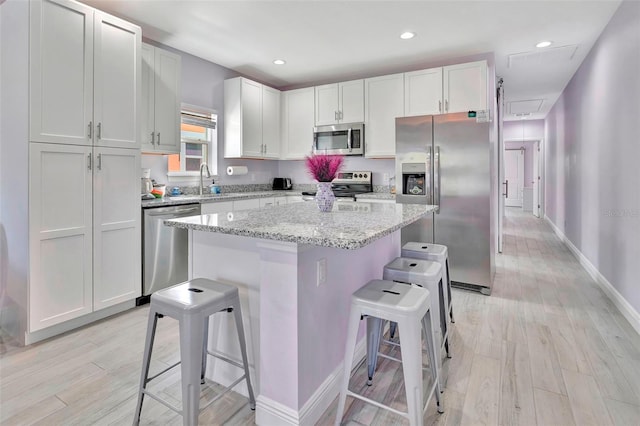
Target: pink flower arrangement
x,y
324,168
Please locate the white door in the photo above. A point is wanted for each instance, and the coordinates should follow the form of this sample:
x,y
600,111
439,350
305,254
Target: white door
x,y
326,104
117,75
117,275
297,123
61,72
383,103
514,176
167,70
423,92
271,122
536,179
352,101
60,233
465,87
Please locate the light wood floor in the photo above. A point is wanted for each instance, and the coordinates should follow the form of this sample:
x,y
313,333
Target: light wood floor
x,y
546,348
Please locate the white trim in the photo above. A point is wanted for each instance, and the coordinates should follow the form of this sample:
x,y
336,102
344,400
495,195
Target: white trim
x,y
269,412
618,300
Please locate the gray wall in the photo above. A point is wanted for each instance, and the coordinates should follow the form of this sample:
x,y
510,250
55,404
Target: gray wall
x,y
592,155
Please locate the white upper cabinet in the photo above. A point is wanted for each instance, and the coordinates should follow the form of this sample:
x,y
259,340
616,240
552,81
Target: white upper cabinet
x,y
465,87
384,101
271,122
423,92
297,123
339,103
84,76
244,112
160,124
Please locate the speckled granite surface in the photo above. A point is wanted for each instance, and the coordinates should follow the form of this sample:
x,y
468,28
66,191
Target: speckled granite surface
x,y
209,198
376,196
350,225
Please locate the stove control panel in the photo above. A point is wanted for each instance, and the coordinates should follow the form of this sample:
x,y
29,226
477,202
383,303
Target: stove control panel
x,y
354,177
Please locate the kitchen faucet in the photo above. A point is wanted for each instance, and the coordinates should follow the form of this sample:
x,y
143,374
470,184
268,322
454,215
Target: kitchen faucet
x,y
203,166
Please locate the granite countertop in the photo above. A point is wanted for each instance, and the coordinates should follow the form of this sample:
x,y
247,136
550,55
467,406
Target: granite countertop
x,y
350,225
376,196
211,198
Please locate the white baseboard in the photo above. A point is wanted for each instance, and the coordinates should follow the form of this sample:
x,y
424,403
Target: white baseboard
x,y
620,302
271,413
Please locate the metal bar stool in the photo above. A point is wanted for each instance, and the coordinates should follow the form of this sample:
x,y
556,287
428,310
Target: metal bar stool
x,y
192,303
436,253
410,307
422,273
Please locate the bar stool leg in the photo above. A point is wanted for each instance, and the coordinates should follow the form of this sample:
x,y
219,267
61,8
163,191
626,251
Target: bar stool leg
x,y
191,343
434,365
146,361
449,290
350,347
374,335
205,346
444,326
411,350
237,311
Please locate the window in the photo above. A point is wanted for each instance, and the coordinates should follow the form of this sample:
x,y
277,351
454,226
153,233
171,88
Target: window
x,y
198,144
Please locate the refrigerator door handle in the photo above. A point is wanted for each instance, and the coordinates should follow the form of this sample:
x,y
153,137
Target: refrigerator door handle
x,y
436,178
429,175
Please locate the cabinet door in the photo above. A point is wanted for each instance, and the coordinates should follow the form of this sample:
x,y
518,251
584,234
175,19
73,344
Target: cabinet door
x,y
147,99
116,82
326,111
384,101
279,201
297,123
116,216
266,202
423,92
61,72
60,234
294,199
167,70
465,87
352,101
251,118
271,122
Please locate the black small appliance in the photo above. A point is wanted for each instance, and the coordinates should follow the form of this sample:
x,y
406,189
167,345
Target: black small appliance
x,y
282,183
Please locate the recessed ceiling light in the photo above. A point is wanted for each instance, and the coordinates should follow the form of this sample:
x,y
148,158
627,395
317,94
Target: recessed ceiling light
x,y
279,62
407,35
544,44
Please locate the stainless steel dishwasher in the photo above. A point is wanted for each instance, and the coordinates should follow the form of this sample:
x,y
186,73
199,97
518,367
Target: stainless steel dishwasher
x,y
165,251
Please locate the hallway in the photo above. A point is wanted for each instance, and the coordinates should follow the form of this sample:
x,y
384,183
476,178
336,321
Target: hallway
x,y
547,348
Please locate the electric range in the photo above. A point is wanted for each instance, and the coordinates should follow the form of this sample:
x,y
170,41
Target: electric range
x,y
349,184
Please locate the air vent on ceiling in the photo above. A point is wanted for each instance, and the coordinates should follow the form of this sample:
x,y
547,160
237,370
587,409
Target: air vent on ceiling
x,y
528,106
546,56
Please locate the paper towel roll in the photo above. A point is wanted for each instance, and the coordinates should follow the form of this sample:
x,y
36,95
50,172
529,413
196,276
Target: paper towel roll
x,y
237,170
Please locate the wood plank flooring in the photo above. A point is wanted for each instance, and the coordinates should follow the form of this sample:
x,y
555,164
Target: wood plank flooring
x,y
546,348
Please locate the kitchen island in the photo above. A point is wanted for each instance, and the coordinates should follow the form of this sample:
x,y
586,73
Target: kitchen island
x,y
296,269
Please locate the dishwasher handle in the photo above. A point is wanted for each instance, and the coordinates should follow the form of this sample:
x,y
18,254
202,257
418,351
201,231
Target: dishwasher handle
x,y
175,212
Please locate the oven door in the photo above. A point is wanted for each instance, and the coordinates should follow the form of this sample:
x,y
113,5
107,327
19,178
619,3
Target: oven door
x,y
343,139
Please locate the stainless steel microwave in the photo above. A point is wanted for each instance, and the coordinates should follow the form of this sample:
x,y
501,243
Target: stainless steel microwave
x,y
344,139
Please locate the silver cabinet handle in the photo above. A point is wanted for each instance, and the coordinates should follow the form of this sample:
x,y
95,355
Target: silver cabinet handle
x,y
99,131
506,188
439,106
265,148
436,178
152,136
446,105
89,162
90,129
99,161
335,115
158,138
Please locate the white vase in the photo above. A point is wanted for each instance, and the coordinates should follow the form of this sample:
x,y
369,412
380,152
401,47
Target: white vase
x,y
324,196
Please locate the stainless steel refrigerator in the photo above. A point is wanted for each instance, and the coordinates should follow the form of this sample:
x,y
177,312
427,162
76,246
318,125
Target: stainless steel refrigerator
x,y
446,160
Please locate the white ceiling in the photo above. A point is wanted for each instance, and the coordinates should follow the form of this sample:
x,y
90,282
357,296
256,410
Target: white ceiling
x,y
331,41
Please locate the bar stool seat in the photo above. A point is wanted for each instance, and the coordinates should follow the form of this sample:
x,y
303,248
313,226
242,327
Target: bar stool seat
x,y
410,307
192,303
436,253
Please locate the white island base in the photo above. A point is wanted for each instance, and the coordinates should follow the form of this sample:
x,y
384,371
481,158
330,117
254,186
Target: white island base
x,y
295,324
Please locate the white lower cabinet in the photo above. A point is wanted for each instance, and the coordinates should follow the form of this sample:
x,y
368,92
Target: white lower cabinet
x,y
272,201
216,207
251,203
84,219
294,199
